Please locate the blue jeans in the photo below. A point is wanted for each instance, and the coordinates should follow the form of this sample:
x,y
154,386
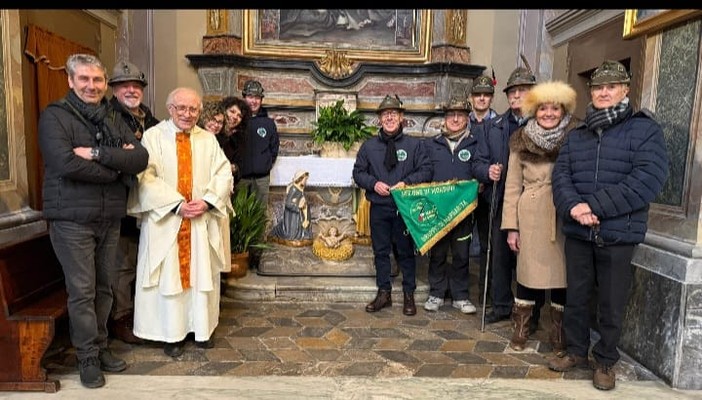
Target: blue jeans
x,y
87,253
387,227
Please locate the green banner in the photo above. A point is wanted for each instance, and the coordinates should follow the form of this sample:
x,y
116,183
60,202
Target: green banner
x,y
431,210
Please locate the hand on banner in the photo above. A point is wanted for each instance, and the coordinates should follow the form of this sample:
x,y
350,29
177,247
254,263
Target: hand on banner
x,y
382,188
398,185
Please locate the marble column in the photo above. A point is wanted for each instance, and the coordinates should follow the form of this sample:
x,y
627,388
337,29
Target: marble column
x,y
663,322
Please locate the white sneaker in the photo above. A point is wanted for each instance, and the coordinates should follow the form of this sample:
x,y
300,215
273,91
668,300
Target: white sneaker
x,y
433,303
465,306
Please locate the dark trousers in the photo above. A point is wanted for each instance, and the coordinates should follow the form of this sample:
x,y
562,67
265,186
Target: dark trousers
x,y
503,263
87,253
125,276
453,276
387,227
608,272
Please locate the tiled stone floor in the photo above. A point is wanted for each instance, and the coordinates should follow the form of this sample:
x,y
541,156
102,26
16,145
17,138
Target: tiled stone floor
x,y
341,339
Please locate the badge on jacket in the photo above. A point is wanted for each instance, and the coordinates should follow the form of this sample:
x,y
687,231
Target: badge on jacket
x,y
401,155
261,132
464,155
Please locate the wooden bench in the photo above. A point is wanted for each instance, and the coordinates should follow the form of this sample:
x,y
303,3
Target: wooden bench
x,y
33,296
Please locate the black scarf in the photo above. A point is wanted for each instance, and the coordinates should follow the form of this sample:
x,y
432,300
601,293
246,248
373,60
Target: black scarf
x,y
94,113
599,120
94,116
390,150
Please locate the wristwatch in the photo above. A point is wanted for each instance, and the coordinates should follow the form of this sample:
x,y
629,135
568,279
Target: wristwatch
x,y
95,153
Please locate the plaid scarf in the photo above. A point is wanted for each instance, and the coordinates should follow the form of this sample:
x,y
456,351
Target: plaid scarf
x,y
599,120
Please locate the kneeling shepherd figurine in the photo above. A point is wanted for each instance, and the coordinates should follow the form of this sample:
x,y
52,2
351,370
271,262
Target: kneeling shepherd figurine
x,y
294,228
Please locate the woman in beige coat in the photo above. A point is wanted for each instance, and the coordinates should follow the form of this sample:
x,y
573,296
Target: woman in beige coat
x,y
529,215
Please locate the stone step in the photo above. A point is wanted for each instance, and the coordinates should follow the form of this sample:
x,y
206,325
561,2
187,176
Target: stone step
x,y
313,288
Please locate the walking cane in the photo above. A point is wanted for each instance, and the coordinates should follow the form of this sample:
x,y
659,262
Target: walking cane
x,y
489,250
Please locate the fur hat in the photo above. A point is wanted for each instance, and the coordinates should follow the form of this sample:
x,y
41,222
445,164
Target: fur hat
x,y
549,92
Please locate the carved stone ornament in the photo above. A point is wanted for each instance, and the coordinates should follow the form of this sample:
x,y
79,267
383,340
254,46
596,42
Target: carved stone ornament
x,y
456,27
335,65
216,22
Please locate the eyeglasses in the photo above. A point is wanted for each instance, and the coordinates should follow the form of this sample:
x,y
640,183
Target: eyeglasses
x,y
183,109
216,121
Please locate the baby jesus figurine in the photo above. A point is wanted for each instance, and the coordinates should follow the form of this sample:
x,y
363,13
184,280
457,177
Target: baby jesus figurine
x,y
332,238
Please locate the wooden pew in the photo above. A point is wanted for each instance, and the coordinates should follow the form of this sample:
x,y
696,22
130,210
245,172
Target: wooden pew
x,y
33,296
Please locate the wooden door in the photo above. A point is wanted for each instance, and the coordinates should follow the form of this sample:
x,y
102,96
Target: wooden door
x,y
586,52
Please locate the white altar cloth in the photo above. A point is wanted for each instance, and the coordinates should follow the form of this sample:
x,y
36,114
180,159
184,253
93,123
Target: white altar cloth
x,y
326,172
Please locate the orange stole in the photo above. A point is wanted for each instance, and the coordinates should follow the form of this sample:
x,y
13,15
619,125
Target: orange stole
x,y
185,187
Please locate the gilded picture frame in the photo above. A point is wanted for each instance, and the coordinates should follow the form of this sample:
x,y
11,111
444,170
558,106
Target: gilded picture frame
x,y
13,163
642,22
363,35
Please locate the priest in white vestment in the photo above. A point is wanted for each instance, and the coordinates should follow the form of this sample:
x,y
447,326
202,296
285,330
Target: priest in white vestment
x,y
184,189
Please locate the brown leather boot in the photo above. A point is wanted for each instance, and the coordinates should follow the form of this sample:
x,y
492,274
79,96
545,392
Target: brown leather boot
x,y
408,307
566,363
382,299
123,329
604,377
521,314
557,334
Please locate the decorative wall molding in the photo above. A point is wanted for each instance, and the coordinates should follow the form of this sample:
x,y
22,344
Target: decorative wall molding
x,y
573,23
380,68
108,17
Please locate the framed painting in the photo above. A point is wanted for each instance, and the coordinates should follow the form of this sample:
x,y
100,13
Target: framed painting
x,y
641,22
371,35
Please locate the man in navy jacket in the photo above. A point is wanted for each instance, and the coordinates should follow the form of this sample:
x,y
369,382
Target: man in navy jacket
x,y
391,160
261,144
451,154
490,168
608,171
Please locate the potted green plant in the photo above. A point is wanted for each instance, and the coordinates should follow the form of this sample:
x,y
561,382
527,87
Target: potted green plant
x,y
336,125
247,226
